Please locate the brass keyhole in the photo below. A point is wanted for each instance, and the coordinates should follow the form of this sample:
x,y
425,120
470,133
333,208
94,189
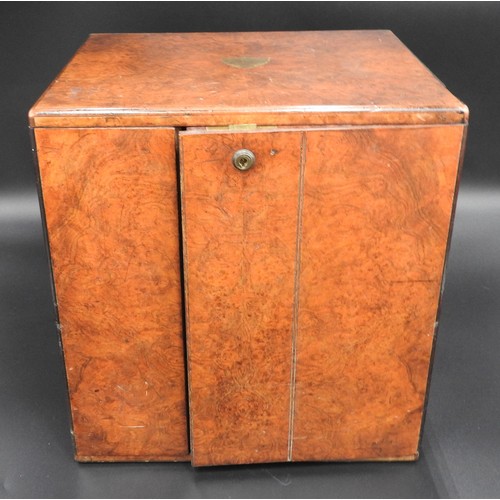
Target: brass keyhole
x,y
243,159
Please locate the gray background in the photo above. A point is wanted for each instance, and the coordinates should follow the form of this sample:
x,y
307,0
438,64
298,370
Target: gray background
x,y
460,456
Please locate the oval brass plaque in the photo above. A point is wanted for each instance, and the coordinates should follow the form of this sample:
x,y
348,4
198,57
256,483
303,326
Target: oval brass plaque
x,y
246,62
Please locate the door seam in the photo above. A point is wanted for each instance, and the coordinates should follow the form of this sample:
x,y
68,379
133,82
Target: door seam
x,y
296,290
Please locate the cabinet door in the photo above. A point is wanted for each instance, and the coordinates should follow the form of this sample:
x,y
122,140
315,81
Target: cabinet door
x,y
376,217
240,236
312,287
110,198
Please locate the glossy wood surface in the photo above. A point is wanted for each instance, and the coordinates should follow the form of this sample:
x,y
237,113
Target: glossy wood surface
x,y
110,198
376,217
182,79
313,281
239,257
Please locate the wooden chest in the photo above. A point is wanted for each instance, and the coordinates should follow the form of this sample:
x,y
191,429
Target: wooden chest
x,y
266,213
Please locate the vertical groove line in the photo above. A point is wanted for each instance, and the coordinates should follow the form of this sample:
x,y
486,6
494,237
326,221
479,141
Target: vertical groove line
x,y
179,151
296,286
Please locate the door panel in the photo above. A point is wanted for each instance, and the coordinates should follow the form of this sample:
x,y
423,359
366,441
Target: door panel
x,y
240,235
110,198
312,288
376,217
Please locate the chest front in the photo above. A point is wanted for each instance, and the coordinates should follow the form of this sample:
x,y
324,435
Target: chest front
x,y
248,232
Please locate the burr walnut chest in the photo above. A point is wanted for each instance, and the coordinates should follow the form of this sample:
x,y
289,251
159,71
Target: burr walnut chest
x,y
247,232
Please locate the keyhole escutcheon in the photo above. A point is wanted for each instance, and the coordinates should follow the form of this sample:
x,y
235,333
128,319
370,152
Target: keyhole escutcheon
x,y
243,159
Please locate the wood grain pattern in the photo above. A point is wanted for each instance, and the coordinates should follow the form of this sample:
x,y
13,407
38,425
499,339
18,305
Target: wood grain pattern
x,y
311,281
239,256
110,199
366,241
369,287
180,79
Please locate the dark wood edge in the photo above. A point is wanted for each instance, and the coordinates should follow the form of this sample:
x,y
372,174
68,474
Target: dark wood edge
x,y
443,279
131,458
405,458
38,182
185,289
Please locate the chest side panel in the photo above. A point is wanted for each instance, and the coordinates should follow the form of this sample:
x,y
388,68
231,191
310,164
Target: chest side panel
x,y
110,198
239,257
376,217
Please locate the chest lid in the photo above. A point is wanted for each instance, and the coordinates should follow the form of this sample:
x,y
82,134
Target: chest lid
x,y
265,78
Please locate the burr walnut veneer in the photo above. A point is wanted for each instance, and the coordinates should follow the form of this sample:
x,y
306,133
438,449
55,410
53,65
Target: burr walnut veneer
x,y
308,181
